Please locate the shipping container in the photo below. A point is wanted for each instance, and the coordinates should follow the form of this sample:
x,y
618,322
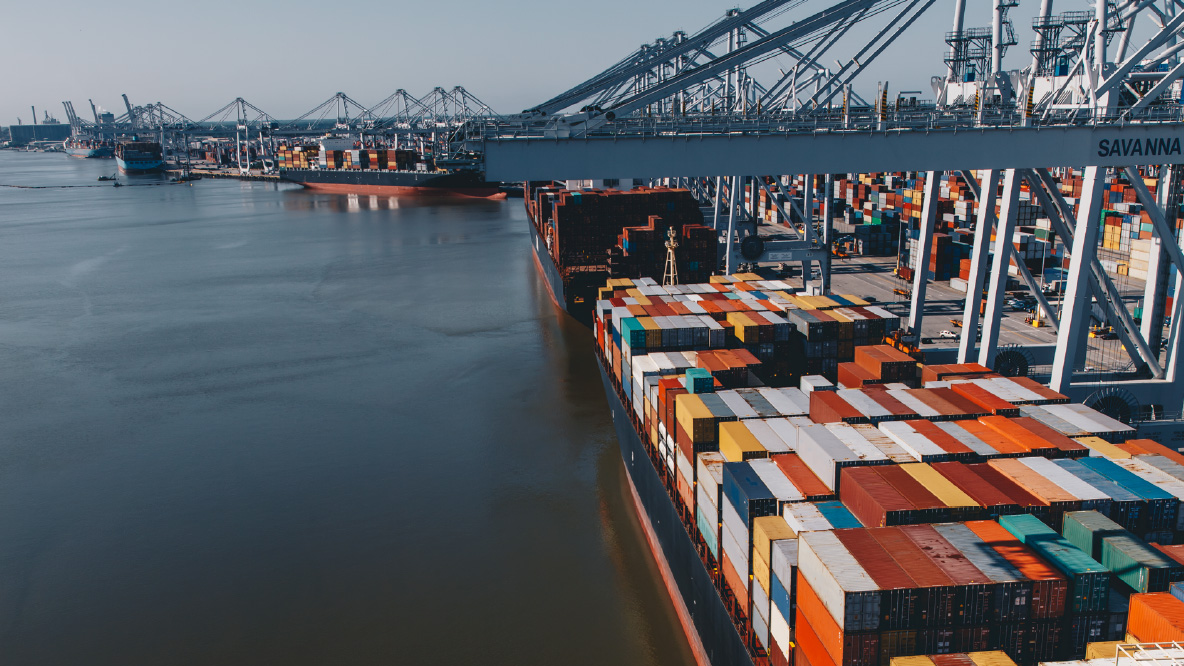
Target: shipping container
x,y
1090,590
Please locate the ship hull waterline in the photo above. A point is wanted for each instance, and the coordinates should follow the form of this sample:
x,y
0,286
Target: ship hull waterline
x,y
709,628
393,183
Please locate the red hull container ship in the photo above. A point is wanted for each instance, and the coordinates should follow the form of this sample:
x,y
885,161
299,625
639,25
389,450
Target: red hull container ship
x,y
341,166
799,522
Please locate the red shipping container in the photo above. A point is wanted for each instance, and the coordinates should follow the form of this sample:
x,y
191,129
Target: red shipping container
x,y
885,400
985,399
1050,589
827,407
988,496
803,478
945,440
940,605
1175,552
872,500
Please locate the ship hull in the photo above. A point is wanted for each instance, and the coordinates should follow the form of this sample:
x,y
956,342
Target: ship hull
x,y
393,183
576,299
139,166
91,153
713,637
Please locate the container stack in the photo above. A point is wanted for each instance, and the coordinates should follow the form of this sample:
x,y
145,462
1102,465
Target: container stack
x,y
865,596
857,525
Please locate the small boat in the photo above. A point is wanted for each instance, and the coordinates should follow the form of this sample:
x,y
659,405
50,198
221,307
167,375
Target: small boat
x,y
103,179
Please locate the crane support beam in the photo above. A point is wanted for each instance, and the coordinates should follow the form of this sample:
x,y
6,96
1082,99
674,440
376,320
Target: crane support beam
x,y
1004,231
978,263
1075,318
924,248
921,149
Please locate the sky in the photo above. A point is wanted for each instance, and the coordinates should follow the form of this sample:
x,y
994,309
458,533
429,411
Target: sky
x,y
288,56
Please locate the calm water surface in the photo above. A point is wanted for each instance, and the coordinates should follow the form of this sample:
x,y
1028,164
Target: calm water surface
x,y
244,424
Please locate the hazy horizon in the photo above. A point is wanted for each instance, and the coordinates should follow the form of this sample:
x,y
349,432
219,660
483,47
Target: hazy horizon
x,y
281,57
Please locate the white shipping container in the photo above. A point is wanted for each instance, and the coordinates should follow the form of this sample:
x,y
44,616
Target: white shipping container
x,y
1017,394
805,517
913,442
843,586
1083,422
865,405
786,429
1110,424
709,474
779,631
855,441
1064,478
737,552
816,383
823,452
776,481
785,560
734,522
737,404
971,441
766,436
760,613
893,451
685,469
1051,420
787,401
915,404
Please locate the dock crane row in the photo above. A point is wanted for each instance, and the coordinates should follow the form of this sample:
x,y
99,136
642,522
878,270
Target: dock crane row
x,y
751,101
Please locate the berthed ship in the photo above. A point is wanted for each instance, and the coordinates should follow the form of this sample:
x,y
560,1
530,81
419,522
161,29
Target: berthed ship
x,y
341,165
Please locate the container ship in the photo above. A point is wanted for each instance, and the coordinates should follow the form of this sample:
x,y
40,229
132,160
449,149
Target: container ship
x,y
581,238
339,165
85,147
908,515
133,157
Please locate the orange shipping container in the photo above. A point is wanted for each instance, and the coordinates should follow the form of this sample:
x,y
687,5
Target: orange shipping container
x,y
808,643
1156,618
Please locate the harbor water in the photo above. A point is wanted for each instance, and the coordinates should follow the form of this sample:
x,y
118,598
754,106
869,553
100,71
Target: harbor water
x,y
245,424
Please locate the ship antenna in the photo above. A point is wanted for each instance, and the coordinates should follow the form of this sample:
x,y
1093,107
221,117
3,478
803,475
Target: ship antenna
x,y
671,277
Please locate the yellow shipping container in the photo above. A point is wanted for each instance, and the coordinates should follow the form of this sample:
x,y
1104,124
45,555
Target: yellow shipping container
x,y
766,530
746,329
919,660
1102,650
941,487
653,332
1102,447
760,572
737,443
694,417
846,324
992,658
855,300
